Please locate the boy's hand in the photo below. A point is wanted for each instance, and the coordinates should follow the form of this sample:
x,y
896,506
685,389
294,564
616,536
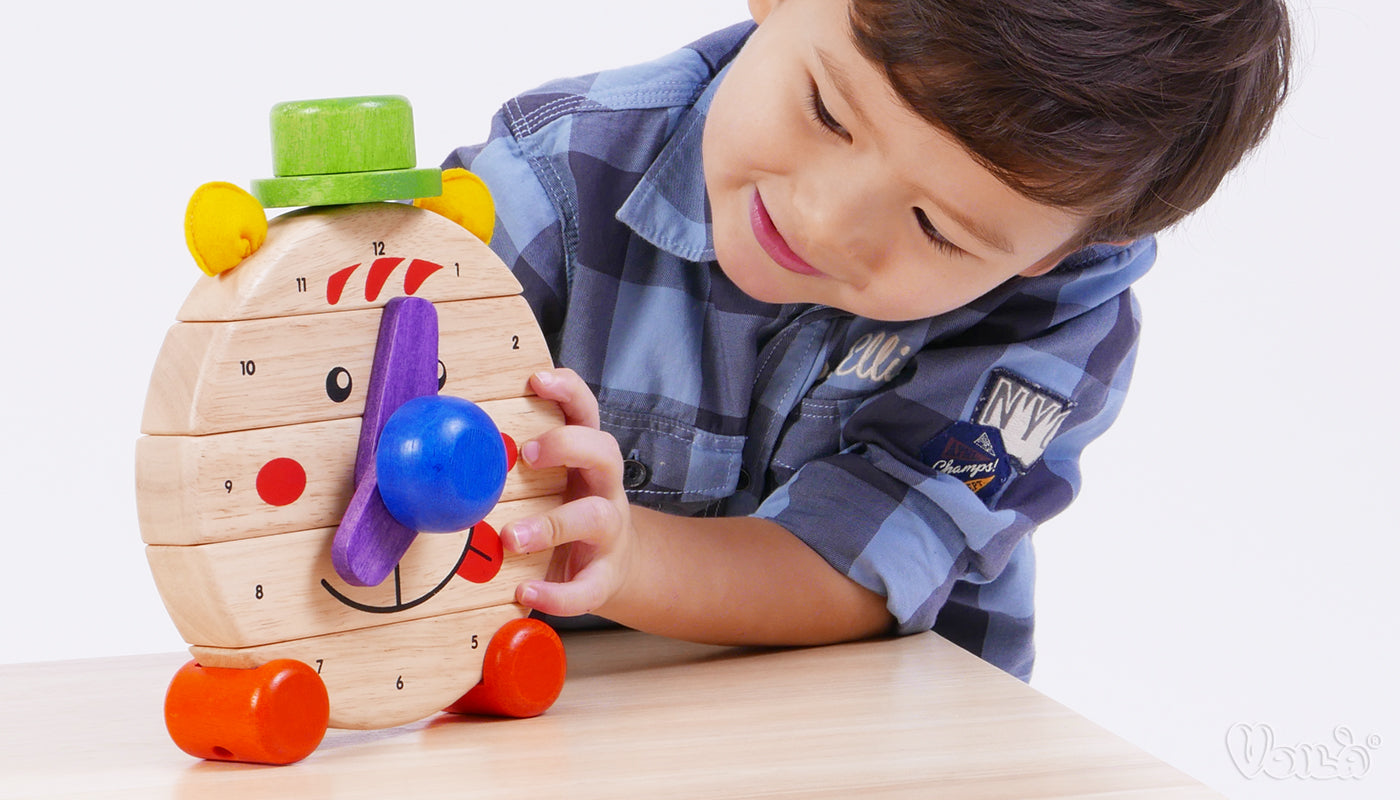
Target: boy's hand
x,y
592,532
734,580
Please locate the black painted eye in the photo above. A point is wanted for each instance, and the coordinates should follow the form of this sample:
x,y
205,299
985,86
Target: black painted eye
x,y
338,384
442,374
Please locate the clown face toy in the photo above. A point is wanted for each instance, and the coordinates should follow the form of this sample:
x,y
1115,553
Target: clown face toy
x,y
328,450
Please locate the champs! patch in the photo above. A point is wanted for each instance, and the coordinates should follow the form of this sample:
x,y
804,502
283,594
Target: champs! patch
x,y
1027,415
972,453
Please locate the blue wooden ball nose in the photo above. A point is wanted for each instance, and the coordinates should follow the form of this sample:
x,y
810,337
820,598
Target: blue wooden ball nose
x,y
441,464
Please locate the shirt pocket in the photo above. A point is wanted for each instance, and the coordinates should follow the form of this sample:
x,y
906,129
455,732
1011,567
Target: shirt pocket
x,y
814,430
673,466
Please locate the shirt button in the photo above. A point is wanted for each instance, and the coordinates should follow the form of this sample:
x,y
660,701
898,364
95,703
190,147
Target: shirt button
x,y
744,481
635,474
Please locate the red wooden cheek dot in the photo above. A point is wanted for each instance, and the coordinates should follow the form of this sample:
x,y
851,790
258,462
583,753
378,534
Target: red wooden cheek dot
x,y
512,452
274,714
522,675
484,557
281,482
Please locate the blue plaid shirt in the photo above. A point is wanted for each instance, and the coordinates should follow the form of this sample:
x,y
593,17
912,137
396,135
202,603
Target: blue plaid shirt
x,y
915,457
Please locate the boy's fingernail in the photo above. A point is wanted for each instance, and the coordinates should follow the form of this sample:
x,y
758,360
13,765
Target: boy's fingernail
x,y
529,595
530,451
544,378
526,535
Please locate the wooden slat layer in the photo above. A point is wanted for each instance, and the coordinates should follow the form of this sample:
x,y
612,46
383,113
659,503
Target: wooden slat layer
x,y
199,489
382,677
276,588
214,377
334,259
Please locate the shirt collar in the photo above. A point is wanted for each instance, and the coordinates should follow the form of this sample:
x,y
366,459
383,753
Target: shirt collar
x,y
670,207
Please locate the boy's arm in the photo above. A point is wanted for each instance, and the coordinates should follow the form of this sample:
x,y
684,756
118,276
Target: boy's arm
x,y
739,580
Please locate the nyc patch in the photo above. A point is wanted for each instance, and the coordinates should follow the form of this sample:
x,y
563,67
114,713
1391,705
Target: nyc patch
x,y
972,453
1026,414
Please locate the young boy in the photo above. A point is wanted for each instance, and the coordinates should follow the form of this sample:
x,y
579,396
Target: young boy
x,y
841,298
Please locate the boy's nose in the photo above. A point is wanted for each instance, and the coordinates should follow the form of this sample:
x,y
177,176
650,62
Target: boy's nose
x,y
838,216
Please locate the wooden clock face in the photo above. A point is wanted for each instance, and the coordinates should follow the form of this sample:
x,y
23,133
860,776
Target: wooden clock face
x,y
251,426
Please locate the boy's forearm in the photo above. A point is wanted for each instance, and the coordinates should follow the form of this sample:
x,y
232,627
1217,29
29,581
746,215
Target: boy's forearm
x,y
739,580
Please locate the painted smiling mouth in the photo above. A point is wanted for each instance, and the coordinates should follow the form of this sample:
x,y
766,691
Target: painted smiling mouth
x,y
773,242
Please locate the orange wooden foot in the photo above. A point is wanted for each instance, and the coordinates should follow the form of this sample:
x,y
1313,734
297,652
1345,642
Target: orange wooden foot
x,y
274,714
522,675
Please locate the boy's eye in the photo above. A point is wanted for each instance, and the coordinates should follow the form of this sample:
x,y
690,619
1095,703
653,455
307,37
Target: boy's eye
x,y
822,115
931,231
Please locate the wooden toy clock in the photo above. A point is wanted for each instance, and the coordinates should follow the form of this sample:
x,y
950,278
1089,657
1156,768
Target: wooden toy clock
x,y
328,450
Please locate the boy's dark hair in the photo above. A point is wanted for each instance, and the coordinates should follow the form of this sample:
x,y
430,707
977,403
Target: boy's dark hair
x,y
1130,111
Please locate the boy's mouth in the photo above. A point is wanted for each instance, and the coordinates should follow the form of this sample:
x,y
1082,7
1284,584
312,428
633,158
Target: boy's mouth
x,y
773,242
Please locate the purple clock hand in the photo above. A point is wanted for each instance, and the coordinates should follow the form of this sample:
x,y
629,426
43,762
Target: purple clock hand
x,y
369,542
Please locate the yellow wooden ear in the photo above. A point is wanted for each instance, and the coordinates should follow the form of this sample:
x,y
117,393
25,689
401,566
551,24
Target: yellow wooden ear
x,y
223,226
466,201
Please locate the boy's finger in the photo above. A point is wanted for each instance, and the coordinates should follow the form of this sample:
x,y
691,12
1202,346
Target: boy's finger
x,y
585,593
592,520
566,388
593,453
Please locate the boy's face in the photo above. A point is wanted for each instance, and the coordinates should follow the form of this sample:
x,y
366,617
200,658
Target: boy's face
x,y
824,188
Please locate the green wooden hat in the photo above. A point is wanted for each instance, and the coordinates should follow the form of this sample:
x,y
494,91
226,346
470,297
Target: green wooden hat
x,y
344,150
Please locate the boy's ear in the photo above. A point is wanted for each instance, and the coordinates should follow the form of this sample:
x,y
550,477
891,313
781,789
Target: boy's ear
x,y
1053,260
760,9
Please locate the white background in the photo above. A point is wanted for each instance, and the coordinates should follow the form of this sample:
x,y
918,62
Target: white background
x,y
1230,561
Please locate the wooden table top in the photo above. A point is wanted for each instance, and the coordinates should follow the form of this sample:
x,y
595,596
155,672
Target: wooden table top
x,y
640,716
